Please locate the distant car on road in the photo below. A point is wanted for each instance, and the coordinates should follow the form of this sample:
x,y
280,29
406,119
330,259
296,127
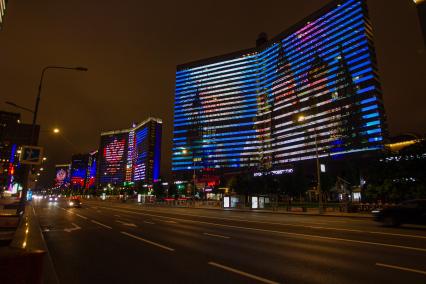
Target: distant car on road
x,y
74,202
53,198
407,212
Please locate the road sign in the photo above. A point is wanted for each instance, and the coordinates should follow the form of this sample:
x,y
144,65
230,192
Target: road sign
x,y
31,155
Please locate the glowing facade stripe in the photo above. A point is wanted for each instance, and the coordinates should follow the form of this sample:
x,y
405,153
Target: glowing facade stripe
x,y
242,111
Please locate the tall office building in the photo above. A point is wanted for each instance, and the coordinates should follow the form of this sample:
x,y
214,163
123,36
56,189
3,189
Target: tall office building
x,y
13,135
313,87
78,172
91,170
131,156
421,11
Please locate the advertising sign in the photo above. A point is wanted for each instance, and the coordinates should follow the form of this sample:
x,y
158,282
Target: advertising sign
x,y
31,155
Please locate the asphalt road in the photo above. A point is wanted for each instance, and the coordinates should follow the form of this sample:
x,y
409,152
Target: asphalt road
x,y
105,242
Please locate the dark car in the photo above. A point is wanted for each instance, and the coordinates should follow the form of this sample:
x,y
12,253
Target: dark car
x,y
74,202
407,212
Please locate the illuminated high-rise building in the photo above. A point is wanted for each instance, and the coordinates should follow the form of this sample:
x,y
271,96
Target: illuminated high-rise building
x,y
78,172
313,87
130,156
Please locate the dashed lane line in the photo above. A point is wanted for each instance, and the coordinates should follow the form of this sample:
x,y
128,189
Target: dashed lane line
x,y
100,224
401,268
281,232
288,224
242,273
81,216
217,236
149,222
148,241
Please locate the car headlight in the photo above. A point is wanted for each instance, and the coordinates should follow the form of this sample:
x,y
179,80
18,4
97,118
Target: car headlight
x,y
375,211
71,203
56,199
50,198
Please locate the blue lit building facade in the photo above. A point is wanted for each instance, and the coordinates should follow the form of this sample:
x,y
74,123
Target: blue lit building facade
x,y
130,157
315,86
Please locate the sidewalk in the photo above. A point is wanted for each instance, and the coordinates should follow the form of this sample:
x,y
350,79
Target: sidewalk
x,y
26,259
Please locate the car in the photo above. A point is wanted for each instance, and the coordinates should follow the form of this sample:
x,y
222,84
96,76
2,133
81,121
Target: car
x,y
407,212
53,198
74,202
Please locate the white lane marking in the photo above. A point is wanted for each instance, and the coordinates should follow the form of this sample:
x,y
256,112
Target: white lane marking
x,y
81,216
218,236
288,224
125,223
34,212
248,275
76,227
147,241
168,221
401,268
280,232
100,224
148,222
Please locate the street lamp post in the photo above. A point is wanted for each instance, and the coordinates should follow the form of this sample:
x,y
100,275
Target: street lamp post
x,y
185,152
301,119
35,112
40,85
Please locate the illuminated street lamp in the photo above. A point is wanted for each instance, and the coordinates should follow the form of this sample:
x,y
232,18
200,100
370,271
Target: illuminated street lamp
x,y
35,112
301,119
185,152
56,130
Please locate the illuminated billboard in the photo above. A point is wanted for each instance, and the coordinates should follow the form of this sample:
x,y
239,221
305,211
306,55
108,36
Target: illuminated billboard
x,y
62,176
313,87
113,157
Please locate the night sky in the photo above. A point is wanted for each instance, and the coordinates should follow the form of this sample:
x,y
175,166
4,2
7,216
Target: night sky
x,y
132,47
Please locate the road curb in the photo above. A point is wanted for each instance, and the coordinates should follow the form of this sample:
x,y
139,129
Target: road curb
x,y
49,273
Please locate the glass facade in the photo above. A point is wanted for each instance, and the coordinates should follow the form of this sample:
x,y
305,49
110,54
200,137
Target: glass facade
x,y
132,155
313,87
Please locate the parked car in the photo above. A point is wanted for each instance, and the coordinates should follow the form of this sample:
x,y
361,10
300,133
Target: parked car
x,y
407,212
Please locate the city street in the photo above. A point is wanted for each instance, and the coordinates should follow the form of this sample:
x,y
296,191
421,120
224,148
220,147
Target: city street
x,y
105,242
